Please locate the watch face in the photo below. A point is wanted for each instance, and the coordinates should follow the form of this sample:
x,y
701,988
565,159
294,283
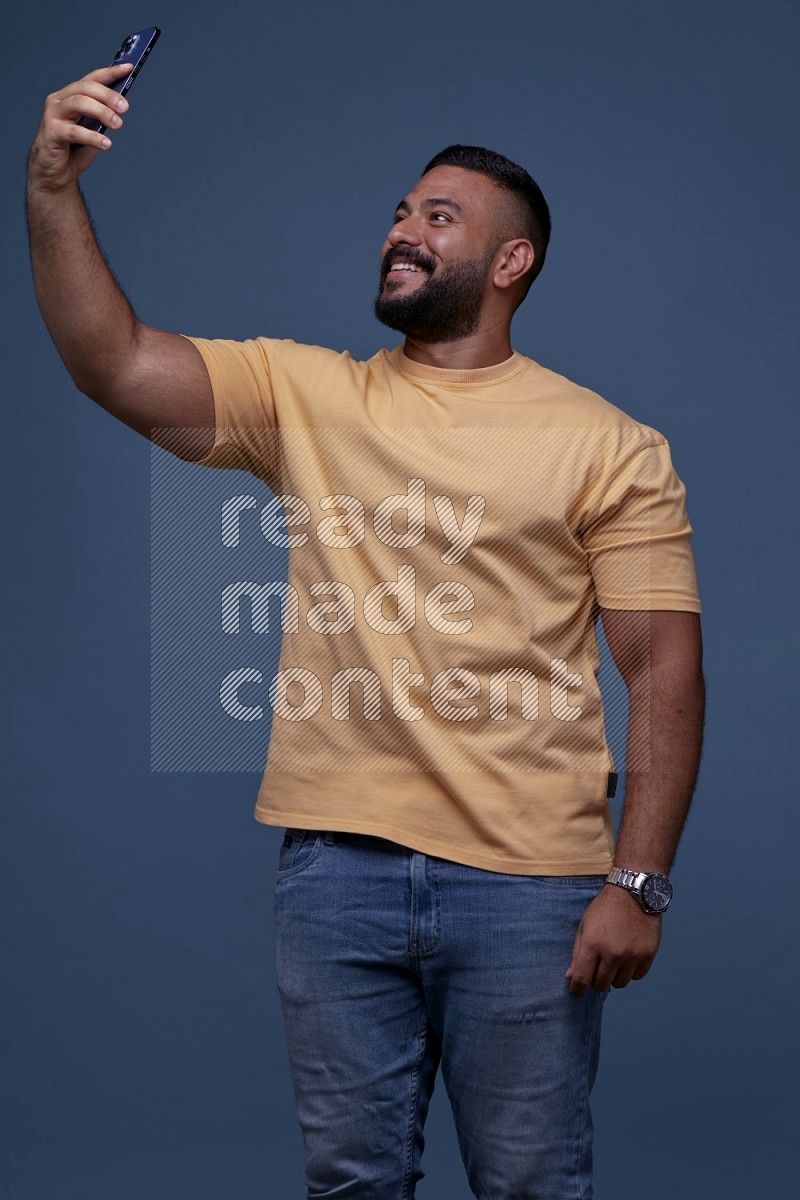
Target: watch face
x,y
656,892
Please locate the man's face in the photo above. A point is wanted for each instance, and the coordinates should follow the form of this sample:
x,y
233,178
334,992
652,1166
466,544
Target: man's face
x,y
436,260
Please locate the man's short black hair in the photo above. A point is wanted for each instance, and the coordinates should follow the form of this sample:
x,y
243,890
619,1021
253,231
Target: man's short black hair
x,y
527,214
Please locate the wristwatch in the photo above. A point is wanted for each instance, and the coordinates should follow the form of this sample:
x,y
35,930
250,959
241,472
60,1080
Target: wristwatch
x,y
653,890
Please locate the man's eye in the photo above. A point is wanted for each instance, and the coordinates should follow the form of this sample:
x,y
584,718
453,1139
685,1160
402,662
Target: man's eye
x,y
439,214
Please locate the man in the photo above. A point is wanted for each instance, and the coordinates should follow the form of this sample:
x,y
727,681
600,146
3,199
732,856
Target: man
x,y
446,891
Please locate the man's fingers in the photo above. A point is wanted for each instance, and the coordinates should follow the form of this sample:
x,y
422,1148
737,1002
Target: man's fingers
x,y
576,946
608,972
87,99
90,87
605,971
116,71
634,969
582,970
85,106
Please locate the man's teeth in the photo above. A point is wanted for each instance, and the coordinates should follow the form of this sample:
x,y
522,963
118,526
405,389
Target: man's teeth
x,y
404,266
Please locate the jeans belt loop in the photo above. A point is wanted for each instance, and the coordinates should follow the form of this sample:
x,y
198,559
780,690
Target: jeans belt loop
x,y
330,838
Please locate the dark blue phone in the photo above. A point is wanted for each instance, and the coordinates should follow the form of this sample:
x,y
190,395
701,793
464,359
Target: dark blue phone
x,y
134,49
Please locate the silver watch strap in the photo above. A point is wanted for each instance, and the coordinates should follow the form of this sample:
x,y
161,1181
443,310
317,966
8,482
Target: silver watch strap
x,y
631,880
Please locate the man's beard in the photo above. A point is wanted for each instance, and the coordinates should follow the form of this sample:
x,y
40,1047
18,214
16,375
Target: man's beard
x,y
443,308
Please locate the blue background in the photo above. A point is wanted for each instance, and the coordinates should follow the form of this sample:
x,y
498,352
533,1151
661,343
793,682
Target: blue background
x,y
249,193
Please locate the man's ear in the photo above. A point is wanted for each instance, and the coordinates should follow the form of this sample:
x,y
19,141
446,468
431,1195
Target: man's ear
x,y
517,258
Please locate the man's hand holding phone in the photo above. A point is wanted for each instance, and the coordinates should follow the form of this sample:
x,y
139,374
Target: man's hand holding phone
x,y
75,119
63,148
154,381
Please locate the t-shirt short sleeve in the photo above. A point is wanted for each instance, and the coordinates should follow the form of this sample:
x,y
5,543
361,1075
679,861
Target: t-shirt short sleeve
x,y
244,406
639,542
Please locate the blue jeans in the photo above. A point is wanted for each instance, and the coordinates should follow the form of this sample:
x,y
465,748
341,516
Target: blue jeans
x,y
390,962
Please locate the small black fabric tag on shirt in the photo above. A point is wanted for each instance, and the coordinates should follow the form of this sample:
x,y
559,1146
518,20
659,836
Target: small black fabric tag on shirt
x,y
612,785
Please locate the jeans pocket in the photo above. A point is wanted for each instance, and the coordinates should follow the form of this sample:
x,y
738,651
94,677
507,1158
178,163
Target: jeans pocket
x,y
299,849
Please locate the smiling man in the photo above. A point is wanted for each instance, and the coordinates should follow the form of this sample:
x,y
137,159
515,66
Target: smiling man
x,y
456,225
450,892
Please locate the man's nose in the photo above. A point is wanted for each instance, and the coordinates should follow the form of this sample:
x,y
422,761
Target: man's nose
x,y
404,232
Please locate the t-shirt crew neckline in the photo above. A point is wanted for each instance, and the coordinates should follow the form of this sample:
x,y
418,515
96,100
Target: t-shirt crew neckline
x,y
473,377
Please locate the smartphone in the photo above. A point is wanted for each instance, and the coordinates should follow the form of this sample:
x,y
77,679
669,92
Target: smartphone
x,y
134,49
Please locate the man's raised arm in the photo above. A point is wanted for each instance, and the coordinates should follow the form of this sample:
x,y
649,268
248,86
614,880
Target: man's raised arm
x,y
150,379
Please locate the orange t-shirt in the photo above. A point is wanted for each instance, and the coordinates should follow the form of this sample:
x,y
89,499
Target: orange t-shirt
x,y
453,535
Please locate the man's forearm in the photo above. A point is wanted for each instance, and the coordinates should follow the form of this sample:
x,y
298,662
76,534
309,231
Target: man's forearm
x,y
665,735
660,656
89,318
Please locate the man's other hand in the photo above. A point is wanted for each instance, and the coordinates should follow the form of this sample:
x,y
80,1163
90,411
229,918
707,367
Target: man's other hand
x,y
615,943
